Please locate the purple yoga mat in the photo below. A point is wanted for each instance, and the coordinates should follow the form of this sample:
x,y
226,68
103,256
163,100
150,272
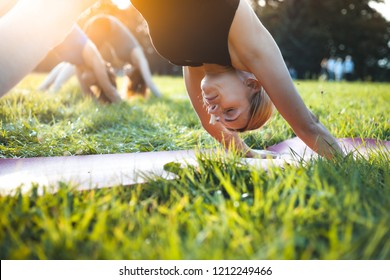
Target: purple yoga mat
x,y
296,148
88,171
97,171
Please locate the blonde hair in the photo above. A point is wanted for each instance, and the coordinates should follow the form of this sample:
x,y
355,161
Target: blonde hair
x,y
260,110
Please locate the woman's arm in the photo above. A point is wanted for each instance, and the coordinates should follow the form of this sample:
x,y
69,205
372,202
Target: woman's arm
x,y
29,31
6,5
139,60
229,139
86,80
253,49
95,62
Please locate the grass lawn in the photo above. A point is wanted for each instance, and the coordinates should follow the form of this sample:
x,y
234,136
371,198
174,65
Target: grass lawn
x,y
221,210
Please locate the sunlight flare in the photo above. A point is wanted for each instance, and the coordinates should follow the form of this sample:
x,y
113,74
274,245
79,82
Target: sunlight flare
x,y
122,4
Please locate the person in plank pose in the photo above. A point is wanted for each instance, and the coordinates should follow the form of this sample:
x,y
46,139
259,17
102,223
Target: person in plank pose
x,y
95,76
119,47
233,70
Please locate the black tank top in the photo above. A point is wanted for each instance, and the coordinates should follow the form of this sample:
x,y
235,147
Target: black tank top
x,y
190,32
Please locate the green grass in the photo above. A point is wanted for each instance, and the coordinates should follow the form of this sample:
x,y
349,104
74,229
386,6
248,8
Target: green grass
x,y
219,210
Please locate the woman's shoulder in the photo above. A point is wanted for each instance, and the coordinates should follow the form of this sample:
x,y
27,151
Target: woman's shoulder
x,y
245,36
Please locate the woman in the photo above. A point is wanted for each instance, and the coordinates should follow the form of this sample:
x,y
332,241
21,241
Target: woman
x,y
96,78
119,47
229,58
38,24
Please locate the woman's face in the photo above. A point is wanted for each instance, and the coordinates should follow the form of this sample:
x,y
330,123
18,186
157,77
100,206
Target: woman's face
x,y
226,95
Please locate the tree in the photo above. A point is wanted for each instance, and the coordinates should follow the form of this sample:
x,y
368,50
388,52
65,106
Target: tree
x,y
308,30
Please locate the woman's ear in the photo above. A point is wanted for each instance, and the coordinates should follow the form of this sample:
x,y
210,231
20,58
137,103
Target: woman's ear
x,y
253,83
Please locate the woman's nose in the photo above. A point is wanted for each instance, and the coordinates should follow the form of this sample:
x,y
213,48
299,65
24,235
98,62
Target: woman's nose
x,y
212,109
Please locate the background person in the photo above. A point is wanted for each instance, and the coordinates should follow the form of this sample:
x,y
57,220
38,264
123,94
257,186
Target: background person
x,y
349,68
119,46
339,69
324,69
330,67
96,78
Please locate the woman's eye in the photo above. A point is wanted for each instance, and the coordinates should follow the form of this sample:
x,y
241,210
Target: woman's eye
x,y
229,113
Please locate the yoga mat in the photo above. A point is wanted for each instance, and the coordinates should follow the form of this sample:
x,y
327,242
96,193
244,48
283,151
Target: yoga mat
x,y
296,149
88,171
98,171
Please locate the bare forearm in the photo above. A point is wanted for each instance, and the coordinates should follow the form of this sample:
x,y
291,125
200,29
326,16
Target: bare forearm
x,y
105,85
85,82
96,63
321,141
